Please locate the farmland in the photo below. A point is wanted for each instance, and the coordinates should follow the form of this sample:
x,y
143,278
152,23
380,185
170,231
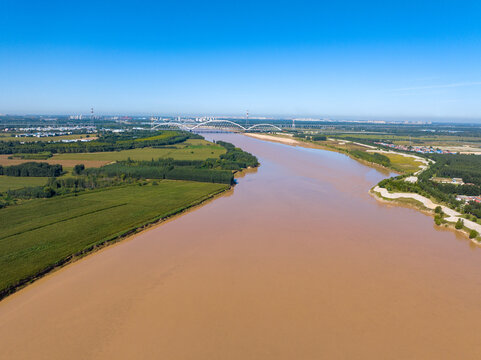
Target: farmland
x,y
93,198
41,233
191,149
11,183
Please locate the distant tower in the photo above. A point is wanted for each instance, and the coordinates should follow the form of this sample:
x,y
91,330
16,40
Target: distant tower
x,y
92,116
293,124
247,117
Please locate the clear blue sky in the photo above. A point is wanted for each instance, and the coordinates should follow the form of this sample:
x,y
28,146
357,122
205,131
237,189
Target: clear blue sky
x,y
305,58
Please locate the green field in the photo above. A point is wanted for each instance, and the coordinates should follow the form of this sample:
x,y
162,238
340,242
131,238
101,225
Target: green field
x,y
374,136
14,182
427,140
403,164
42,233
192,149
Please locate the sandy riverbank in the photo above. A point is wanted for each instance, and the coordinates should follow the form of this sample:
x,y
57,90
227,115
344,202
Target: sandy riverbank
x,y
452,215
279,139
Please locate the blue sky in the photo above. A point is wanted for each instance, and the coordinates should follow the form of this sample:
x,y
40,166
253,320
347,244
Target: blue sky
x,y
364,59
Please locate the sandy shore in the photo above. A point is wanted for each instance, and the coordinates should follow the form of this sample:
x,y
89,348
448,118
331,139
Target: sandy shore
x,y
453,215
279,139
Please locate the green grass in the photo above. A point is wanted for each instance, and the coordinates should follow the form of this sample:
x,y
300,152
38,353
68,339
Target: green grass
x,y
385,136
426,140
41,233
36,156
165,135
192,149
405,164
14,182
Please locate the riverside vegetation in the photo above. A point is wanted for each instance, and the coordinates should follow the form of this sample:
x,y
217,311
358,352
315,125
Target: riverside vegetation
x,y
464,166
76,211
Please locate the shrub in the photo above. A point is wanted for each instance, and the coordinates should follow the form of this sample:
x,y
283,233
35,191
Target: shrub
x,y
459,224
473,234
319,138
78,169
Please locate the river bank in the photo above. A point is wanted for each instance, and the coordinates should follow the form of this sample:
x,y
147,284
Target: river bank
x,y
312,145
419,202
422,203
118,235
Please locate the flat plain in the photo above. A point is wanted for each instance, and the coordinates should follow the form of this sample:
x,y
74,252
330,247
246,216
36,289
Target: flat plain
x,y
13,183
43,232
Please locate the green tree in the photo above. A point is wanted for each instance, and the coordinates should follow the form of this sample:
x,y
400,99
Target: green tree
x,y
78,169
459,224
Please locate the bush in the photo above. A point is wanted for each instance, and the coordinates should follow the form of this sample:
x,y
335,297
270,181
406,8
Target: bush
x,y
438,210
78,169
319,137
459,224
473,234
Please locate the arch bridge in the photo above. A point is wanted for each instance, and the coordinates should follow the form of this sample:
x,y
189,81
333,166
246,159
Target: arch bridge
x,y
215,125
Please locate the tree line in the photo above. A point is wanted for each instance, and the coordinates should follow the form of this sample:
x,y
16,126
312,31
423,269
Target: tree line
x,y
105,142
467,167
32,169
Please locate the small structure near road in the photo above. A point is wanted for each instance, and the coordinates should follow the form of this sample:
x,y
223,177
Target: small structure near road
x,y
454,181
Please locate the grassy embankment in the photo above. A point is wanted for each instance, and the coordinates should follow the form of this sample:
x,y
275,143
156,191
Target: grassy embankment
x,y
39,235
403,164
398,163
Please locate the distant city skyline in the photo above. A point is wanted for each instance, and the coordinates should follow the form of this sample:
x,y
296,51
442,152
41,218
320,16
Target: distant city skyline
x,y
351,59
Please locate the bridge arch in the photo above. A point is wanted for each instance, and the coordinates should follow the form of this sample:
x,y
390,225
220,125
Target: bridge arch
x,y
213,123
219,122
170,124
257,126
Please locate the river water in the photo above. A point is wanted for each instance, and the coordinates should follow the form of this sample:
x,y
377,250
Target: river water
x,y
297,262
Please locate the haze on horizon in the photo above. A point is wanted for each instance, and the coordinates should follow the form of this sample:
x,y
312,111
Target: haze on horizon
x,y
307,58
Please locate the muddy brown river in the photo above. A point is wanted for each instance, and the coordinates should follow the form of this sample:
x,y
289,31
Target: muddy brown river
x,y
297,262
